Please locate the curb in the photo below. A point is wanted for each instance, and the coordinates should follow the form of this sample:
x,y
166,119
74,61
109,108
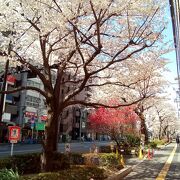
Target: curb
x,y
121,174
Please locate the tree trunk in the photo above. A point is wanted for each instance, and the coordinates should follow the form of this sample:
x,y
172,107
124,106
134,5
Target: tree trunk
x,y
143,127
160,133
50,143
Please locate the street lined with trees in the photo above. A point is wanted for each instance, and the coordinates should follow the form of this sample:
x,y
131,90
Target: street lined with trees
x,y
114,46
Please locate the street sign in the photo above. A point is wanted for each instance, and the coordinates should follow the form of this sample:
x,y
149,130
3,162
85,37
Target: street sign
x,y
14,136
13,141
14,133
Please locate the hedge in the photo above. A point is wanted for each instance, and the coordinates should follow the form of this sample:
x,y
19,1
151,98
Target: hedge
x,y
76,173
30,163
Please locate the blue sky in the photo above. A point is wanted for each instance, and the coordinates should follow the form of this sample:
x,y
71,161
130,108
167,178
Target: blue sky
x,y
170,76
169,37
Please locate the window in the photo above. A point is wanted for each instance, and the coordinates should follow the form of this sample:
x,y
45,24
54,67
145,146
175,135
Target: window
x,y
33,83
32,101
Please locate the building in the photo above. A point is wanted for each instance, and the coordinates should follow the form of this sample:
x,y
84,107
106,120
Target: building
x,y
27,108
73,122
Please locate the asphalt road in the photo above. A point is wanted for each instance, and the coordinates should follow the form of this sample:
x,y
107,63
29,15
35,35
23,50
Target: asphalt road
x,y
5,149
150,169
174,171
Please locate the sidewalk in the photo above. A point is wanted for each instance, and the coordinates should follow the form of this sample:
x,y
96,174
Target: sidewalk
x,y
149,169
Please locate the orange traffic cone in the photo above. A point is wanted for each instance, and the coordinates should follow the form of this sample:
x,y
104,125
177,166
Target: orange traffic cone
x,y
149,155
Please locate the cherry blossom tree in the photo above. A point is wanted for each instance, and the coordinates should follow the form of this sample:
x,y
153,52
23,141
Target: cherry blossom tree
x,y
145,83
165,119
79,37
115,123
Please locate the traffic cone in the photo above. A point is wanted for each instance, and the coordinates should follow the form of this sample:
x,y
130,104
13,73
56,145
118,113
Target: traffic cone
x,y
140,154
149,155
122,160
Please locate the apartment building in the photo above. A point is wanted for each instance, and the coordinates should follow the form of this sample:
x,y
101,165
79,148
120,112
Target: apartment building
x,y
73,123
27,108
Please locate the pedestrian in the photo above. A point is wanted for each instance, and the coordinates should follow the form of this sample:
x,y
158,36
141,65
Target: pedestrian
x,y
177,140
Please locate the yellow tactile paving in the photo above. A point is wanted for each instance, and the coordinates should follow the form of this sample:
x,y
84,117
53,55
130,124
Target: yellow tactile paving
x,y
166,167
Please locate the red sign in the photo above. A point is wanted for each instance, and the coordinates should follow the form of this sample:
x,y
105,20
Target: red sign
x,y
30,114
14,133
11,79
43,117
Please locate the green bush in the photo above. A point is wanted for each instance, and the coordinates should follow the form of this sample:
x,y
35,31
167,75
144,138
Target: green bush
x,y
101,159
6,163
76,159
8,174
109,160
30,163
159,142
26,163
133,141
153,145
91,159
156,142
76,173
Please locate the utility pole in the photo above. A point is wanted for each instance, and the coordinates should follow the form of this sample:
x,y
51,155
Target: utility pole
x,y
2,103
3,89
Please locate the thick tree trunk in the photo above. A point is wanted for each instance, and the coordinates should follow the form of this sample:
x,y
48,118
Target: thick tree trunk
x,y
50,143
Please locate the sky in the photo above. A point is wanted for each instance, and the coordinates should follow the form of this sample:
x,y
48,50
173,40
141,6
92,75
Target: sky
x,y
172,74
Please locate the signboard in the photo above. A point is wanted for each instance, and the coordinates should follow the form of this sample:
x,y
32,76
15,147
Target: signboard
x,y
30,114
13,141
14,136
43,117
40,126
11,79
14,133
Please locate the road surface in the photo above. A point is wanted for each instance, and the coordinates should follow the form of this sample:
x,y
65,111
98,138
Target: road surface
x,y
165,165
29,148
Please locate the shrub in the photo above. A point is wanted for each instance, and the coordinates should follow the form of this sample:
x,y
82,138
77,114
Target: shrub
x,y
6,163
159,142
80,173
101,159
153,145
109,160
156,142
30,163
26,163
133,141
105,149
91,159
8,174
76,159
60,161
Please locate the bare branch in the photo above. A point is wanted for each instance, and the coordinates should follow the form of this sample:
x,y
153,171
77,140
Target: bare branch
x,y
25,88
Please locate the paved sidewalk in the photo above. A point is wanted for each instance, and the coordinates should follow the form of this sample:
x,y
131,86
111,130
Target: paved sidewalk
x,y
149,169
132,161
